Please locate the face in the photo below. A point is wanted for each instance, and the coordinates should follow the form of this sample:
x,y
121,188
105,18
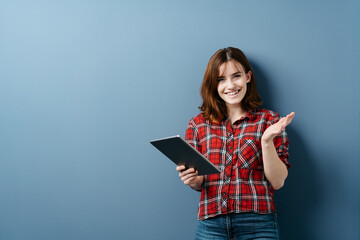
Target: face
x,y
232,83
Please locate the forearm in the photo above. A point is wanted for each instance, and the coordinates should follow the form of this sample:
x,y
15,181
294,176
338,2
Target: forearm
x,y
275,170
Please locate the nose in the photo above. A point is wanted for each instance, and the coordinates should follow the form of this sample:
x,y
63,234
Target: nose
x,y
229,83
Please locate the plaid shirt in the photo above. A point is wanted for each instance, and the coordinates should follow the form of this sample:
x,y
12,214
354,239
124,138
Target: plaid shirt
x,y
236,150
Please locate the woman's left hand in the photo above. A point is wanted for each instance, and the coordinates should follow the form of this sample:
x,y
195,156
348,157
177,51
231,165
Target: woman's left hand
x,y
275,129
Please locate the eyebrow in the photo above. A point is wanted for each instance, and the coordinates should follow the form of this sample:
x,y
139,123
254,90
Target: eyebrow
x,y
231,74
236,73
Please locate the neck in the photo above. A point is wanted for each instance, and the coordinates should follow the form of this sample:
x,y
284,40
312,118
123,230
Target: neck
x,y
236,113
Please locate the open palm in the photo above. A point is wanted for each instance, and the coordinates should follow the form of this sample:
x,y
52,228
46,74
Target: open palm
x,y
275,129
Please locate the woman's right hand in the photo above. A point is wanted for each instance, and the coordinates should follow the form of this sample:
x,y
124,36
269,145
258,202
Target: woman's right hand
x,y
190,177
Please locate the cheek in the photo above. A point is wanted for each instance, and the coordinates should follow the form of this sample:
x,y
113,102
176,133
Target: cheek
x,y
220,87
243,84
244,89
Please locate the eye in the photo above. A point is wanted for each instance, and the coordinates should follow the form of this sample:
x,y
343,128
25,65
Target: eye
x,y
220,79
237,75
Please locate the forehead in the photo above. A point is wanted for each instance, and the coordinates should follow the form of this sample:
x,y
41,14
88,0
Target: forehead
x,y
230,67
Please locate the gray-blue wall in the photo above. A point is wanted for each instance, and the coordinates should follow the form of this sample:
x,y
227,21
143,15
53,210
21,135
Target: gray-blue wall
x,y
84,86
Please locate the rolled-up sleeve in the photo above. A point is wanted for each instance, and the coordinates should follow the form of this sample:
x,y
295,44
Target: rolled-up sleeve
x,y
191,135
281,144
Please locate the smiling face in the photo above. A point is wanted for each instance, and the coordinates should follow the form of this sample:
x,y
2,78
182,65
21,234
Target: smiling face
x,y
232,83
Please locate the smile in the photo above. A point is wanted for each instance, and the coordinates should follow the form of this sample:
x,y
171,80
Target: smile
x,y
233,93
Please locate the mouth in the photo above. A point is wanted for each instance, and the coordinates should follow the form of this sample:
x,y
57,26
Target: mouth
x,y
233,93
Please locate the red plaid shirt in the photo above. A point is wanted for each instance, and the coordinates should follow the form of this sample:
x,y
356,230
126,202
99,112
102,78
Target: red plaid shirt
x,y
236,151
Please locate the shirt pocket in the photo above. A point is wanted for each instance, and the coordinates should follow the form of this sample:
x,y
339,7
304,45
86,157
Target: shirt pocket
x,y
249,153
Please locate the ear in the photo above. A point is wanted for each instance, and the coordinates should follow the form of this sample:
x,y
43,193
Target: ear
x,y
248,76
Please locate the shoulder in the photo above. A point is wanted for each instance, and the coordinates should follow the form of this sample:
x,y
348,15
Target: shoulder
x,y
200,124
198,119
265,114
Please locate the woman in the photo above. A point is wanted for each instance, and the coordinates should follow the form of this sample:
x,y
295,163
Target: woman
x,y
248,144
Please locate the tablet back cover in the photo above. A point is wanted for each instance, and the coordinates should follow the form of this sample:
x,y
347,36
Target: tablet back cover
x,y
182,153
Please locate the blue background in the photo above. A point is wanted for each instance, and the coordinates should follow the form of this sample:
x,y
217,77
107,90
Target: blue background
x,y
84,86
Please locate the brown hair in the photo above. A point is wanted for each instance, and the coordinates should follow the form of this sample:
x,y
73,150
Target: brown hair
x,y
213,107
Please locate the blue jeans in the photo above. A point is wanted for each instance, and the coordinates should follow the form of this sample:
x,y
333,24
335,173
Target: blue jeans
x,y
239,226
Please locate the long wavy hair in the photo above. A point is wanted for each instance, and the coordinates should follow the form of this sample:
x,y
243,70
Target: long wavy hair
x,y
213,107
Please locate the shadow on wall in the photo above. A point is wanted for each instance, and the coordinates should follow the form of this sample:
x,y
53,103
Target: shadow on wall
x,y
296,201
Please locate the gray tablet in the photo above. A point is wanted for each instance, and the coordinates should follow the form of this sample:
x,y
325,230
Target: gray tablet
x,y
182,153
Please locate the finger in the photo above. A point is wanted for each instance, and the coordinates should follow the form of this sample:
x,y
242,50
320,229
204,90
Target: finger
x,y
180,168
187,175
289,118
187,171
190,170
277,126
281,120
189,181
188,178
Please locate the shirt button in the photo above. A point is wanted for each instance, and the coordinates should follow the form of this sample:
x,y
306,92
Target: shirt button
x,y
224,193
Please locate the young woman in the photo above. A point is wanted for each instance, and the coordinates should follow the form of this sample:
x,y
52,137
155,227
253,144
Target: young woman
x,y
248,144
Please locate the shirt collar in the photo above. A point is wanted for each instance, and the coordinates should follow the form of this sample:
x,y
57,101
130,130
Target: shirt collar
x,y
250,115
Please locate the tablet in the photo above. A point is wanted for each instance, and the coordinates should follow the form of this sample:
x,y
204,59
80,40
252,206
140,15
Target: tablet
x,y
182,153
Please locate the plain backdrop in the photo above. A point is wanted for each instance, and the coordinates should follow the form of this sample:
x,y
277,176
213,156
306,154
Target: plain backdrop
x,y
85,85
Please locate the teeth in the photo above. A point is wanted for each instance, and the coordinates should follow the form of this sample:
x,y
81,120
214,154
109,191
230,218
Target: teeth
x,y
233,93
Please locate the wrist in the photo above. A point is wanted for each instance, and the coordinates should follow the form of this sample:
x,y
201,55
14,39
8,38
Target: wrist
x,y
266,142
